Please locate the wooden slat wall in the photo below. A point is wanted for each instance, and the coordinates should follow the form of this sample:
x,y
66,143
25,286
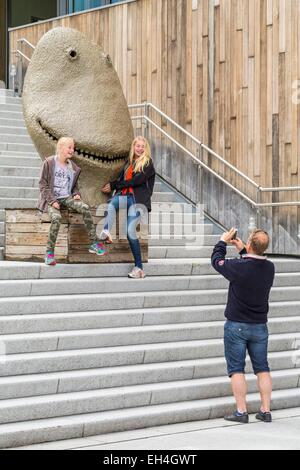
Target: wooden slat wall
x,y
2,39
224,69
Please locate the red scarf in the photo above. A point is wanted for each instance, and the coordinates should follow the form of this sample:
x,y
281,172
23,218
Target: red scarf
x,y
128,176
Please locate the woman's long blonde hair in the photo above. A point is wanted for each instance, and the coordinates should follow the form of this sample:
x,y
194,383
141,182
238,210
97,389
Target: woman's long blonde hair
x,y
143,160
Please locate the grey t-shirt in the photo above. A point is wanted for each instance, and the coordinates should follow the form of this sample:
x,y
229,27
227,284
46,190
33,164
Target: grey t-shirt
x,y
62,181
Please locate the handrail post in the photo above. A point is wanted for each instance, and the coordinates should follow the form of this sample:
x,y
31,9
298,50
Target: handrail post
x,y
146,113
258,209
199,178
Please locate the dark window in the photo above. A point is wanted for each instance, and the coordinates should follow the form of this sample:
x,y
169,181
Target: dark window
x,y
80,5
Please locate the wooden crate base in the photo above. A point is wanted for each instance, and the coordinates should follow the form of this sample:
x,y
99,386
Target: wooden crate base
x,y
26,233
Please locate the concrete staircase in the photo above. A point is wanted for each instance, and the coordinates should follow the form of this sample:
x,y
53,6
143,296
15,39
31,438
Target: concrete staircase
x,y
87,351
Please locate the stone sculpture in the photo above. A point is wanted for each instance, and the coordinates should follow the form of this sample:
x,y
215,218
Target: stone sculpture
x,y
72,89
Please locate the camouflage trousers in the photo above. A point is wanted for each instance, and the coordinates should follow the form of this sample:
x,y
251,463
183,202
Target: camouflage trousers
x,y
55,216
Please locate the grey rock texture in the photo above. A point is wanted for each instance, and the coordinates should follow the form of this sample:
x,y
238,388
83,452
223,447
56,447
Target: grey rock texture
x,y
72,89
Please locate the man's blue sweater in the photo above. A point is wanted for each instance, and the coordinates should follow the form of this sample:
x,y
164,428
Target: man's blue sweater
x,y
251,278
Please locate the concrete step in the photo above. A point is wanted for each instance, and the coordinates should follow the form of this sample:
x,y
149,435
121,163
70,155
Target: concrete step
x,y
16,153
194,251
91,358
7,92
47,287
19,123
178,228
34,192
163,197
92,401
2,215
69,321
183,208
11,130
19,270
163,267
12,107
8,114
186,240
116,301
12,146
20,161
126,336
19,171
19,193
84,425
17,203
7,99
15,138
19,181
96,379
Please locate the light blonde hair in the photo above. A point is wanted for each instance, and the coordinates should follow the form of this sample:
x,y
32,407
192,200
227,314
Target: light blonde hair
x,y
140,163
63,142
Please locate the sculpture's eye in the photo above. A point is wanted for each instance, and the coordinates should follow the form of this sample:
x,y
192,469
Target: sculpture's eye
x,y
72,54
108,59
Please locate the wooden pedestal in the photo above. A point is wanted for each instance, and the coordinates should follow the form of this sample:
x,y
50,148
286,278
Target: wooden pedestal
x,y
26,233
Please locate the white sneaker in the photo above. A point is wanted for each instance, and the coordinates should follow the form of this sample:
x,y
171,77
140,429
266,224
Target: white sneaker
x,y
137,273
105,236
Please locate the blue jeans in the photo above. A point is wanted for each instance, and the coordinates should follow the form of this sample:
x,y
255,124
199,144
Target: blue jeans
x,y
133,218
240,337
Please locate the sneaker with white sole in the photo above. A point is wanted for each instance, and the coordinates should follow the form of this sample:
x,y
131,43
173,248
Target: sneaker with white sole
x,y
97,249
49,259
106,237
137,273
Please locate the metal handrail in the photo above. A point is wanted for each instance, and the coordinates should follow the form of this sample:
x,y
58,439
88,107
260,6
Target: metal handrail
x,y
255,205
17,51
199,162
282,188
196,141
26,42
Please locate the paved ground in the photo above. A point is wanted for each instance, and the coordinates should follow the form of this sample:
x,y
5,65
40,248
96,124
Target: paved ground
x,y
283,433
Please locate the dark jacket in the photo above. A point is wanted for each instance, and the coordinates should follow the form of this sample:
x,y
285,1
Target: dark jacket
x,y
46,183
142,184
251,278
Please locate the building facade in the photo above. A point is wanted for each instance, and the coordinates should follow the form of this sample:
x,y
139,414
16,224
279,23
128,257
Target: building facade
x,y
228,71
16,13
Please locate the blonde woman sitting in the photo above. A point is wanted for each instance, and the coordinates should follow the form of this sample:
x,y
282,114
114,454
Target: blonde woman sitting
x,y
133,186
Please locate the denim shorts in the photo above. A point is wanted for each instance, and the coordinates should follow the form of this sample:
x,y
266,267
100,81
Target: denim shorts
x,y
242,337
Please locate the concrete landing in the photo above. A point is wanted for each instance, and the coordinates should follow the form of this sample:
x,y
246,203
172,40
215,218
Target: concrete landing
x,y
282,434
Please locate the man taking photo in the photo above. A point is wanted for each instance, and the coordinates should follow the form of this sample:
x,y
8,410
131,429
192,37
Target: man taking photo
x,y
251,278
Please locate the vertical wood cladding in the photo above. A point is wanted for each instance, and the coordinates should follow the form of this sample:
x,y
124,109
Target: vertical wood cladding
x,y
2,39
227,70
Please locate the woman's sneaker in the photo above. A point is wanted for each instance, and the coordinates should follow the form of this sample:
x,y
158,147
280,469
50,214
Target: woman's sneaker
x,y
97,249
106,237
49,259
137,273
